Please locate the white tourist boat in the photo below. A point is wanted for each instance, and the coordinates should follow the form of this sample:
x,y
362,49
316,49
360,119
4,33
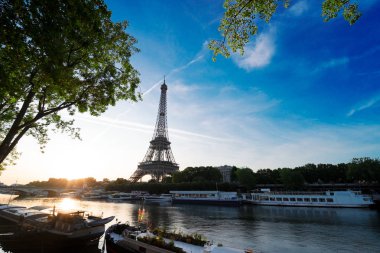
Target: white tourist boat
x,y
124,196
94,195
162,198
317,199
207,197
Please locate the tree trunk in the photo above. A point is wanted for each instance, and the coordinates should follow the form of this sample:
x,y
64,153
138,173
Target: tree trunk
x,y
14,134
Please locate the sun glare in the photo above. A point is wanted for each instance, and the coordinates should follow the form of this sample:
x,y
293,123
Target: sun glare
x,y
67,204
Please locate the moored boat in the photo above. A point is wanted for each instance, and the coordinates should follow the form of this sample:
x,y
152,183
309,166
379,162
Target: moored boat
x,y
75,227
162,198
207,197
346,198
94,196
123,196
125,238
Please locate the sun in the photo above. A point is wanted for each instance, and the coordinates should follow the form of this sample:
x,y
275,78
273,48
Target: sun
x,y
67,204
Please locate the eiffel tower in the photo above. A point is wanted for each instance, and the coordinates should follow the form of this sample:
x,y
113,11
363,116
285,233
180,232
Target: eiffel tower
x,y
159,160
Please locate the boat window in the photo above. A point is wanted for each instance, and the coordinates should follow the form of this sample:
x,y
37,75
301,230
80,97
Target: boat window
x,y
271,199
314,199
299,199
306,199
292,199
279,199
331,193
322,200
330,200
367,199
285,199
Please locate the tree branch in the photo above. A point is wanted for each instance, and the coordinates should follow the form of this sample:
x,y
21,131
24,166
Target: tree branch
x,y
12,132
234,17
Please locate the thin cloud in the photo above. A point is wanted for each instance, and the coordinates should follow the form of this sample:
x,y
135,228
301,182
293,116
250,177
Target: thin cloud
x,y
364,105
332,63
152,87
335,62
299,8
257,55
144,127
179,88
198,57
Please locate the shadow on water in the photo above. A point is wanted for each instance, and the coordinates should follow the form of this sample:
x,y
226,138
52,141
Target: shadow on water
x,y
13,241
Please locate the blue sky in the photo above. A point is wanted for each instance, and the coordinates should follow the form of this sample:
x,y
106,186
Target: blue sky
x,y
305,91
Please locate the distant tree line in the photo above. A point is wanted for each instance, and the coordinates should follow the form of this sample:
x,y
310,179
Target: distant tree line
x,y
152,187
66,183
359,170
197,174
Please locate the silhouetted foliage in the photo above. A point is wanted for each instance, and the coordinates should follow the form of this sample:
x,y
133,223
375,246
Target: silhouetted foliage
x,y
291,179
267,176
158,188
65,183
198,174
364,170
61,55
246,177
359,170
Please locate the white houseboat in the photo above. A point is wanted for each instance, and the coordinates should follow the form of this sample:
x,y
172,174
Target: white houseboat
x,y
206,197
162,198
75,227
317,199
124,196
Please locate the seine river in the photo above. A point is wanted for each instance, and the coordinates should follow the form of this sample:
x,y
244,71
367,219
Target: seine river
x,y
264,229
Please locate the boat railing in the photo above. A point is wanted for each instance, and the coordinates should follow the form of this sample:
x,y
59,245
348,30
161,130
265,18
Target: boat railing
x,y
290,193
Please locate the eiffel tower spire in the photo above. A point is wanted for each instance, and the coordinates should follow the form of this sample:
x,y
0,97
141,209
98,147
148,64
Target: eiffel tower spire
x,y
159,160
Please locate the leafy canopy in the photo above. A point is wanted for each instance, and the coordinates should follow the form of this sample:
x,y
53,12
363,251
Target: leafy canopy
x,y
239,22
59,55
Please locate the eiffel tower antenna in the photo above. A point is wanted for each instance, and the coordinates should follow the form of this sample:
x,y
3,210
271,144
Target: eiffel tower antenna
x,y
159,160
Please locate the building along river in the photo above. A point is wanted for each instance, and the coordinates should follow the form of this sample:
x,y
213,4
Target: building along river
x,y
262,228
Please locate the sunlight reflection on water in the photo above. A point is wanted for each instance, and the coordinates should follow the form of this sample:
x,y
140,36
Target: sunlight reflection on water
x,y
263,228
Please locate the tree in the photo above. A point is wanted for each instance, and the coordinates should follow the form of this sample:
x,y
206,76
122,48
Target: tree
x,y
197,174
291,179
239,21
246,177
364,170
59,55
267,176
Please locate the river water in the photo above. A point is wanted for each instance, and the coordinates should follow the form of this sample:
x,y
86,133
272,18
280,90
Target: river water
x,y
262,228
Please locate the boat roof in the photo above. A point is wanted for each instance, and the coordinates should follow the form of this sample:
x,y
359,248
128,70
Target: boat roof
x,y
70,211
40,208
3,207
199,192
23,211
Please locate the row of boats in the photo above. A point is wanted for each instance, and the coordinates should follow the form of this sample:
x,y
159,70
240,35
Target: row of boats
x,y
125,238
59,231
346,198
71,228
